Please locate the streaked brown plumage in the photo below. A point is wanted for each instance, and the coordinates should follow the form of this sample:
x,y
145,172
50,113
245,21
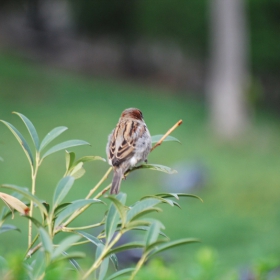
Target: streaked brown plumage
x,y
128,144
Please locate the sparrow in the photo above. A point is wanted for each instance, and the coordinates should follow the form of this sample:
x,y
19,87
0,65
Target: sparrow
x,y
128,144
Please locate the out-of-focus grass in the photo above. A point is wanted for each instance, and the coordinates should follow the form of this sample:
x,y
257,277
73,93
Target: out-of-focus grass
x,y
240,216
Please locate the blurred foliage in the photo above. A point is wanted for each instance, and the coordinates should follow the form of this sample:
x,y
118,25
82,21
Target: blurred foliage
x,y
243,176
186,22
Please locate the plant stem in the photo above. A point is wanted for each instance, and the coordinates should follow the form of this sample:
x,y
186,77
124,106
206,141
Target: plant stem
x,y
81,228
99,183
178,123
106,249
103,191
138,266
78,212
34,170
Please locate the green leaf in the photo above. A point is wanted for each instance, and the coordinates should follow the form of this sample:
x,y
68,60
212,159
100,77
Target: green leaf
x,y
120,273
64,245
34,221
141,206
90,158
114,215
152,233
177,195
97,242
90,237
54,133
72,260
31,129
39,265
114,260
5,228
156,167
70,257
62,189
155,244
27,195
60,207
78,171
143,226
156,138
70,158
21,141
119,206
64,145
145,212
74,206
102,270
125,247
46,241
163,200
172,244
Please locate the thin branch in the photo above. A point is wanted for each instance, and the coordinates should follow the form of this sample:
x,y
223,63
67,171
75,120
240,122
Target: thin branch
x,y
166,134
99,183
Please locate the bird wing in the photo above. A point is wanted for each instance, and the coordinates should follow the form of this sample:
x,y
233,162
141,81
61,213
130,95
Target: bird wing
x,y
122,145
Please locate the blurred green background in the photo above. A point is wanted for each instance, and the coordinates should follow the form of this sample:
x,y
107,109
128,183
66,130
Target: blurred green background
x,y
239,222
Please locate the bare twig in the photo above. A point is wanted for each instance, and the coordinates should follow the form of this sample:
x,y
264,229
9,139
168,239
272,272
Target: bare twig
x,y
166,134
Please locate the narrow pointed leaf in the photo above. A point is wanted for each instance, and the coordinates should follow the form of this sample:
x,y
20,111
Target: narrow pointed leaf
x,y
78,171
102,270
73,262
143,226
62,189
163,200
156,138
70,209
34,221
46,241
31,129
142,205
5,228
64,245
27,195
120,273
54,133
156,244
127,246
21,141
15,203
97,242
119,206
114,215
172,244
114,261
156,167
145,212
152,233
177,195
70,158
71,257
64,145
39,265
90,158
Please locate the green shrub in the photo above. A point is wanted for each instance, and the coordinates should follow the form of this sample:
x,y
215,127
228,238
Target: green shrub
x,y
46,258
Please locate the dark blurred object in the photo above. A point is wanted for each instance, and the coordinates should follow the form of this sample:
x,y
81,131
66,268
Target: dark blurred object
x,y
191,176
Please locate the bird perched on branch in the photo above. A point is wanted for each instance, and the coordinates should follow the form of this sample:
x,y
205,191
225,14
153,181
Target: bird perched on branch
x,y
128,144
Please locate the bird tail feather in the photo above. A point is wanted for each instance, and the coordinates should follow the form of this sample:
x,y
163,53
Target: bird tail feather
x,y
116,183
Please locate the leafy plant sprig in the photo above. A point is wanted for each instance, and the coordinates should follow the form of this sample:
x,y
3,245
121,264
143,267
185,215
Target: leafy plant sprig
x,y
56,216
